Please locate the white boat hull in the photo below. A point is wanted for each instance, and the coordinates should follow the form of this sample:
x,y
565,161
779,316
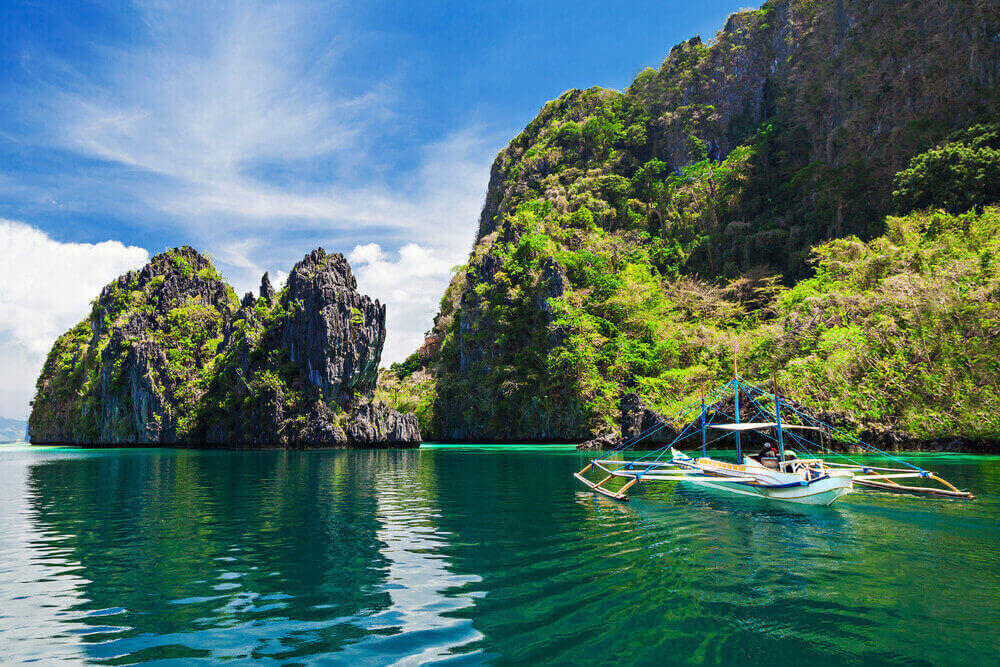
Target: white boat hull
x,y
820,492
785,486
803,481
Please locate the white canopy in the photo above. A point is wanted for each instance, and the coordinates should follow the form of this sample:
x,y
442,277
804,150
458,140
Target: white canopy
x,y
754,426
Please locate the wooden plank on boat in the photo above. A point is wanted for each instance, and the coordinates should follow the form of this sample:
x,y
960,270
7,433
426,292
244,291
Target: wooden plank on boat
x,y
889,477
741,479
914,489
602,491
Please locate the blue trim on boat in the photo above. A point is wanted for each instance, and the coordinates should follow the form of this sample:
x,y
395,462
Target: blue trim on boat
x,y
785,486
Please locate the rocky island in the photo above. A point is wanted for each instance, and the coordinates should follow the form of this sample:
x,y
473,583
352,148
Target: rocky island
x,y
818,183
170,356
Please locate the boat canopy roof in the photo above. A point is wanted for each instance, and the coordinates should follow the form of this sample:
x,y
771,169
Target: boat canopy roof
x,y
754,426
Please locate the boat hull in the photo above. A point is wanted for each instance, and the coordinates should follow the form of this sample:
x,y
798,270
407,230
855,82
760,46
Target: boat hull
x,y
819,492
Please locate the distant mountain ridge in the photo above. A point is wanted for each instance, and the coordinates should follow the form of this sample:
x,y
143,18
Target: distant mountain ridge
x,y
12,430
628,239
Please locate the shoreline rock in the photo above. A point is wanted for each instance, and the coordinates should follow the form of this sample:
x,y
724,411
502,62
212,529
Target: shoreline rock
x,y
602,443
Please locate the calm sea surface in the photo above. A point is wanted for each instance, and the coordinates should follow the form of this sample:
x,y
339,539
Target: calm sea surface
x,y
476,554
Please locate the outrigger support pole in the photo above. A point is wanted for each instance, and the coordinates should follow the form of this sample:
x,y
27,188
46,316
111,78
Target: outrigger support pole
x,y
890,485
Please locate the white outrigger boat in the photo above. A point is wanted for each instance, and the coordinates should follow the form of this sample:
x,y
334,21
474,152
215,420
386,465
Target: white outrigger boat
x,y
778,473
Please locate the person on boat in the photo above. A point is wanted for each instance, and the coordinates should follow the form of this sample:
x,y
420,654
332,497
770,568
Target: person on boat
x,y
769,456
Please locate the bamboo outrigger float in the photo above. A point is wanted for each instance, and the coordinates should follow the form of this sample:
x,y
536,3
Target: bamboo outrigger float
x,y
784,475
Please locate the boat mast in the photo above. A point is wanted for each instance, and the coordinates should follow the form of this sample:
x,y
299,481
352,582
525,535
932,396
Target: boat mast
x,y
736,396
777,419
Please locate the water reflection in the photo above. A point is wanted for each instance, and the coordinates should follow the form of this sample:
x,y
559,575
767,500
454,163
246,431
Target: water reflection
x,y
186,554
37,586
382,556
420,621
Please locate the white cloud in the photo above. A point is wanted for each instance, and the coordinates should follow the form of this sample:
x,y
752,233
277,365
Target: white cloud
x,y
234,127
410,285
219,95
45,288
368,253
441,221
216,87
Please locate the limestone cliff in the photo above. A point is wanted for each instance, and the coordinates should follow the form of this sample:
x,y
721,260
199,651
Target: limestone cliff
x,y
627,238
129,373
170,356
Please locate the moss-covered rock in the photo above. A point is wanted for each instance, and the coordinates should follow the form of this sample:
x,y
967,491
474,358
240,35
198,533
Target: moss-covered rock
x,y
169,355
135,368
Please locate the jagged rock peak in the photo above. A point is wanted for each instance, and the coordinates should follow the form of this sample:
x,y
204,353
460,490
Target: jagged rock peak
x,y
334,267
687,43
135,371
335,335
181,271
149,334
266,291
170,280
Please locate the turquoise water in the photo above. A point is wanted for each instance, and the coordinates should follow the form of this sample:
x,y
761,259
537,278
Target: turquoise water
x,y
476,555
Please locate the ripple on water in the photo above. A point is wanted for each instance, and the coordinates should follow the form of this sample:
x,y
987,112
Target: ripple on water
x,y
455,554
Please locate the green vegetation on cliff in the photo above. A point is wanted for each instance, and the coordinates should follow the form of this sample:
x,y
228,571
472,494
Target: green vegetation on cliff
x,y
255,378
629,239
169,355
407,392
963,172
149,343
900,330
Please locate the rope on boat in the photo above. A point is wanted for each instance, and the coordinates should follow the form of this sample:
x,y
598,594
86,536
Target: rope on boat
x,y
708,416
663,424
800,441
829,429
804,443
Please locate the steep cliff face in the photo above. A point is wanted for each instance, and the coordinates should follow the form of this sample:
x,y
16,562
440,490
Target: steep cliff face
x,y
335,335
130,372
169,355
816,104
299,367
627,238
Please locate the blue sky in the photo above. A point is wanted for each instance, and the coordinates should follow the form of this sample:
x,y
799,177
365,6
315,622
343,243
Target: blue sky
x,y
256,131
